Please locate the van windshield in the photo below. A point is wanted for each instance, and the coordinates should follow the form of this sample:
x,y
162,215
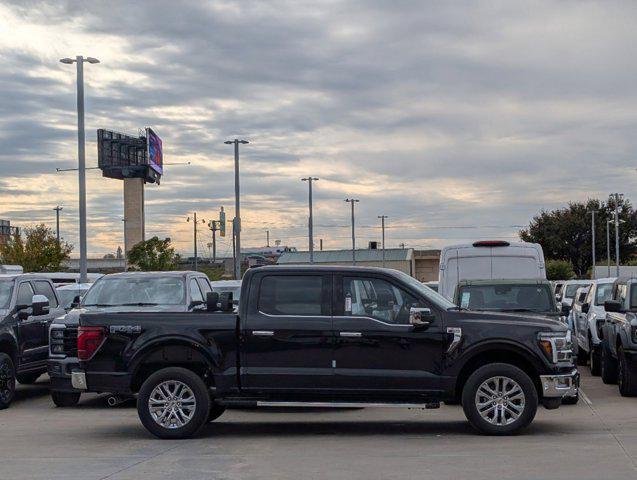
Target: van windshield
x,y
6,288
507,298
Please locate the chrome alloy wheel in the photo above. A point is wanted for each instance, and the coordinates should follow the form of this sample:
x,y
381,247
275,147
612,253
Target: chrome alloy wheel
x,y
172,404
500,400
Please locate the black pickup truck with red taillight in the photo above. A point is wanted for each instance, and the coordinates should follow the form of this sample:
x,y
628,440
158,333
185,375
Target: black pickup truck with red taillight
x,y
308,336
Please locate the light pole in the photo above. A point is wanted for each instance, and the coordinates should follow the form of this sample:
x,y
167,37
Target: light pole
x,y
79,60
213,227
382,226
608,222
310,224
236,224
618,197
592,212
353,201
57,209
194,222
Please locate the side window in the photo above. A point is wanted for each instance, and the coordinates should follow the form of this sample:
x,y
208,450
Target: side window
x,y
589,295
621,293
204,285
44,288
292,295
25,294
195,292
378,299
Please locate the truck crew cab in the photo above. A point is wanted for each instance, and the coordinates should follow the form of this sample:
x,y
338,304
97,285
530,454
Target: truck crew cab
x,y
327,336
28,304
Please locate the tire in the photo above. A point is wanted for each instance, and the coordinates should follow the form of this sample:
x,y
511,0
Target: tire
x,y
65,399
498,420
570,400
7,381
609,366
594,359
626,377
216,411
27,378
177,385
582,358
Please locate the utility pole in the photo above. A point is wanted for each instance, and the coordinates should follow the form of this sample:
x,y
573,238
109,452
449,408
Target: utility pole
x,y
353,201
382,226
213,227
79,60
321,244
57,209
267,238
236,224
592,212
617,196
310,225
194,222
608,245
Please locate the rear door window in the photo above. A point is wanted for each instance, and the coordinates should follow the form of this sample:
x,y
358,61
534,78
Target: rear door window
x,y
44,288
195,291
25,294
204,285
300,295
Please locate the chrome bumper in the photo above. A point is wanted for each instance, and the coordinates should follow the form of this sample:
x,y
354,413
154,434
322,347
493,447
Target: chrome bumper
x,y
560,385
78,380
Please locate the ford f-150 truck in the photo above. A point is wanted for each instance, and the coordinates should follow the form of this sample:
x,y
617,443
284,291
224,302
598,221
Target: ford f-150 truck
x,y
330,337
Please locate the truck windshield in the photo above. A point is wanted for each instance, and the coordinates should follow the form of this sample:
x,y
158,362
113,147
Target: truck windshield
x,y
6,288
507,297
139,291
571,289
426,292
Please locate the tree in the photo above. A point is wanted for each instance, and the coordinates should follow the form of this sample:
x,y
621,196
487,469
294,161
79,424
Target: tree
x,y
41,251
153,255
559,270
565,234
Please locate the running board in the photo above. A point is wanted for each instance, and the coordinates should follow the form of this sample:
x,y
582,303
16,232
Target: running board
x,y
262,403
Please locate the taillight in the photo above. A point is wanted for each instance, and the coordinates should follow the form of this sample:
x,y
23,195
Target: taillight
x,y
491,243
89,340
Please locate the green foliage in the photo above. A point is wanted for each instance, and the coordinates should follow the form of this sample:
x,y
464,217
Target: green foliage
x,y
153,255
213,273
559,270
40,252
565,234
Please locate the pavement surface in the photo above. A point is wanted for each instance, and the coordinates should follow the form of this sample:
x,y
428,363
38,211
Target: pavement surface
x,y
596,439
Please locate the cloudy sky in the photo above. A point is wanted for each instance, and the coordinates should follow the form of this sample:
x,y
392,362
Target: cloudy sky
x,y
458,120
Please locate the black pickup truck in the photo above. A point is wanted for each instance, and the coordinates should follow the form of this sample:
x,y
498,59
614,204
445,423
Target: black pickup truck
x,y
328,337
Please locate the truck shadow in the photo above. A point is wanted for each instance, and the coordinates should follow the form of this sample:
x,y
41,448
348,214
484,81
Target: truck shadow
x,y
24,393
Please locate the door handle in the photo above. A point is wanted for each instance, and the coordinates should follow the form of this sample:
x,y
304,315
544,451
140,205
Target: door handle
x,y
350,334
262,333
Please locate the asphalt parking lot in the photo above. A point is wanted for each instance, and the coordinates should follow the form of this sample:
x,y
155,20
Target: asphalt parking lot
x,y
595,439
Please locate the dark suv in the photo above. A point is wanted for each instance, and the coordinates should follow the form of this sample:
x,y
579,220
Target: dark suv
x,y
28,304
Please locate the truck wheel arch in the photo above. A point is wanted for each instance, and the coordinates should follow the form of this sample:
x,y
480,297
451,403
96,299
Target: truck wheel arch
x,y
171,353
498,353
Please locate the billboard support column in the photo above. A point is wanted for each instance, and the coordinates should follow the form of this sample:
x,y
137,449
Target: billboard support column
x,y
134,224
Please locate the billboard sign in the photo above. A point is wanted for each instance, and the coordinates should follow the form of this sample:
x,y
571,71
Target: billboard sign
x,y
155,151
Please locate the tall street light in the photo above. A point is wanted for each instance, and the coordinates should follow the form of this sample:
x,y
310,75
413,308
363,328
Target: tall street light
x,y
236,224
617,197
310,223
79,60
57,209
592,212
608,222
382,226
353,201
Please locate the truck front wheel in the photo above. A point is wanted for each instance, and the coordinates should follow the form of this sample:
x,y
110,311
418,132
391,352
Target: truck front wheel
x,y
626,377
595,359
499,399
7,380
609,365
173,403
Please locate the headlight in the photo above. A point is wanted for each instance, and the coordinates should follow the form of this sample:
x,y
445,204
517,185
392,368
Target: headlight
x,y
558,347
57,349
57,334
633,332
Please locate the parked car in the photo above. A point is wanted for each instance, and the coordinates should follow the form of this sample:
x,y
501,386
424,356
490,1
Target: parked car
x,y
301,339
489,260
569,289
228,286
557,289
66,278
619,337
590,324
70,294
120,292
28,304
575,313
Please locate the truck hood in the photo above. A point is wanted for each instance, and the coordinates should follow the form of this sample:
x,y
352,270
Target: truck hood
x,y
522,319
73,317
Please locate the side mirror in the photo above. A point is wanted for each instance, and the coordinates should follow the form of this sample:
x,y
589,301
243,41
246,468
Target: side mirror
x,y
225,302
613,306
420,317
212,301
76,301
585,307
558,297
40,305
566,310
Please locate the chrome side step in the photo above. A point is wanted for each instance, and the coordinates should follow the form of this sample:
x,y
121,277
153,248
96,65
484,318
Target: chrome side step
x,y
261,403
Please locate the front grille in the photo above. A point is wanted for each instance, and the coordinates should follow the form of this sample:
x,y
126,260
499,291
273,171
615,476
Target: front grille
x,y
68,342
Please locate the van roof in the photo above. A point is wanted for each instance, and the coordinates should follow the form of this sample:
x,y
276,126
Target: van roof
x,y
524,281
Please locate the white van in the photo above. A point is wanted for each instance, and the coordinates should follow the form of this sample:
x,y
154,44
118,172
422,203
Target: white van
x,y
489,260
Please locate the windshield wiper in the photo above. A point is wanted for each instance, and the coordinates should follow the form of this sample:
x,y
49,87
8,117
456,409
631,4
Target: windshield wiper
x,y
99,305
138,304
458,309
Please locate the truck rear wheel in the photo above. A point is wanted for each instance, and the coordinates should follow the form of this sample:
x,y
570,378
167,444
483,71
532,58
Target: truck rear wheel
x,y
626,377
173,403
65,399
499,399
594,358
7,380
609,365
